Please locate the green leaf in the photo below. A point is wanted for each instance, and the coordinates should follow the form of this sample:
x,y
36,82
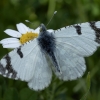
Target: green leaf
x,y
27,94
0,92
11,94
88,83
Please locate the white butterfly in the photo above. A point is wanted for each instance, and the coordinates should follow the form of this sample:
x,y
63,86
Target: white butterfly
x,y
65,48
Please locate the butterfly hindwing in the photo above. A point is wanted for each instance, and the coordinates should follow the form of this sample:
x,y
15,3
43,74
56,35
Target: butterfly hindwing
x,y
72,65
42,75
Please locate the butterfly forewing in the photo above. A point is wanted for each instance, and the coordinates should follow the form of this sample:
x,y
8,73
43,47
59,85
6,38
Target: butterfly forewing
x,y
20,61
82,39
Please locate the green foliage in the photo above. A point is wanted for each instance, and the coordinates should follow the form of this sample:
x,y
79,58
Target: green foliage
x,y
40,11
88,87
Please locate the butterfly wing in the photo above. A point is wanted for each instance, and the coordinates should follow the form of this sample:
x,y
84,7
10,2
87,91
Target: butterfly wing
x,y
72,44
27,63
42,75
71,65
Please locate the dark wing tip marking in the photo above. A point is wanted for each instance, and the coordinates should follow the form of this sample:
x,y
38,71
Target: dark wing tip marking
x,y
78,29
20,52
11,73
97,31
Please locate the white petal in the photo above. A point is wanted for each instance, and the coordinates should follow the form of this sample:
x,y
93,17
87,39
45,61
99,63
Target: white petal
x,y
9,40
31,30
50,30
22,28
12,45
12,33
37,30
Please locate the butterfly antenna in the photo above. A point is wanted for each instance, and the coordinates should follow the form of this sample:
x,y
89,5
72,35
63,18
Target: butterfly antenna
x,y
51,18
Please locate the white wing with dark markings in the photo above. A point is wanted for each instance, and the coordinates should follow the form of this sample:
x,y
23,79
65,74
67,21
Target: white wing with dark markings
x,y
72,44
29,64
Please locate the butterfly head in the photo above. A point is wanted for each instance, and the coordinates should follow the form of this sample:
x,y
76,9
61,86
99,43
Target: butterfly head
x,y
42,28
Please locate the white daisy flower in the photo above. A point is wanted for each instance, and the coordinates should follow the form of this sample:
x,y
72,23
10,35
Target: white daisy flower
x,y
23,35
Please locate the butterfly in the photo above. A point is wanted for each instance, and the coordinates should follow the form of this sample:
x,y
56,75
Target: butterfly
x,y
64,48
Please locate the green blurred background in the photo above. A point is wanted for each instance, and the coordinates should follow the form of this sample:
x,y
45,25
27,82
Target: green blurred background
x,y
40,11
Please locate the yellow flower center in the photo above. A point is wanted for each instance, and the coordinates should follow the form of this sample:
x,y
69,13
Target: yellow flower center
x,y
28,36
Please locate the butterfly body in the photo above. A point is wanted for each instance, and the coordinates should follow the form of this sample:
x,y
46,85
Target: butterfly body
x,y
47,43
